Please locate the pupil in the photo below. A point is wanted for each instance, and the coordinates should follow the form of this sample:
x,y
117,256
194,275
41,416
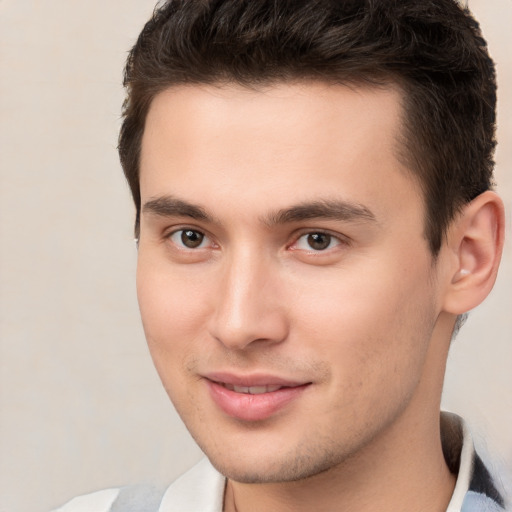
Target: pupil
x,y
191,238
319,241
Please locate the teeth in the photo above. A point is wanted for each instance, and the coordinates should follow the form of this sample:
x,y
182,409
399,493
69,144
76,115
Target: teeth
x,y
269,389
252,390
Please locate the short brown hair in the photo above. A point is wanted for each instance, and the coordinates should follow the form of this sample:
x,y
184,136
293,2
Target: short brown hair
x,y
433,50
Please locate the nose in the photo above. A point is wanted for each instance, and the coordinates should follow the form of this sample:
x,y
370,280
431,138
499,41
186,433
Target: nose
x,y
248,311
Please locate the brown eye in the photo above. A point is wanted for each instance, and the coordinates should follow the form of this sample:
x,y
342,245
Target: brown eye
x,y
319,241
191,239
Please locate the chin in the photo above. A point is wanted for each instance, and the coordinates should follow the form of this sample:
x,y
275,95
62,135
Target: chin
x,y
287,468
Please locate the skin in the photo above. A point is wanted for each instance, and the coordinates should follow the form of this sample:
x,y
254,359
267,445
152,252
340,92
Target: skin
x,y
363,322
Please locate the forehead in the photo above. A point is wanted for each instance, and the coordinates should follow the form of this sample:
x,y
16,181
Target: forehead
x,y
265,144
315,109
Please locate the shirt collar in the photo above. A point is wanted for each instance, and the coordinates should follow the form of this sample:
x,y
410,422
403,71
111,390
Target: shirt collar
x,y
475,488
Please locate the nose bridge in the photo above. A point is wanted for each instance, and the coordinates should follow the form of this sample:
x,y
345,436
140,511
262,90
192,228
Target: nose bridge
x,y
247,306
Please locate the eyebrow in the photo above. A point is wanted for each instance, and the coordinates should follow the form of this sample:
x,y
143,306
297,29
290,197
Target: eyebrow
x,y
328,209
169,206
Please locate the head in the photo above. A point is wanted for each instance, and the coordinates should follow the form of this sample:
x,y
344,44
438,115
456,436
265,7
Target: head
x,y
310,181
433,52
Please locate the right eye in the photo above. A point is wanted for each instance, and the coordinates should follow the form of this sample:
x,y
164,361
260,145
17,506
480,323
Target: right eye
x,y
189,239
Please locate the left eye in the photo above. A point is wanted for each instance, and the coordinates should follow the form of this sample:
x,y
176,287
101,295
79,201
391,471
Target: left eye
x,y
316,242
189,238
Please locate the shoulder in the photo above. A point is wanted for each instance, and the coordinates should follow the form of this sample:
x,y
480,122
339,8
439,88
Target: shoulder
x,y
200,488
100,501
484,492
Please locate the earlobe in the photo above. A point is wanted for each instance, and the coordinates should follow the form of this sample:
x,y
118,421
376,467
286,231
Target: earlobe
x,y
476,240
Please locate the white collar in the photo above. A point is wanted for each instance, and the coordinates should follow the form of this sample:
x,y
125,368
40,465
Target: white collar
x,y
200,488
461,442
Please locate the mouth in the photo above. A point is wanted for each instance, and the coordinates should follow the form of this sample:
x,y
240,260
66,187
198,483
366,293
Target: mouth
x,y
254,398
250,390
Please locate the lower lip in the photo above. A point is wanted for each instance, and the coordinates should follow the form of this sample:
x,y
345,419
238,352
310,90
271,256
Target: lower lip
x,y
247,407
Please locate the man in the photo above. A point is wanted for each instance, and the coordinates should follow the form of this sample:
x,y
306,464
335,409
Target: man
x,y
312,182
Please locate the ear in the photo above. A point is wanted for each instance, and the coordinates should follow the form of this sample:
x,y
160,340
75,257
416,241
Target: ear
x,y
475,244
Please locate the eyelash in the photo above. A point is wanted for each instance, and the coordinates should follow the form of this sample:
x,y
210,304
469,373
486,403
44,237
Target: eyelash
x,y
337,239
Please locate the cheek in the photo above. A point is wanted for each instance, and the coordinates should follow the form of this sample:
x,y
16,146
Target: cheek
x,y
172,309
369,325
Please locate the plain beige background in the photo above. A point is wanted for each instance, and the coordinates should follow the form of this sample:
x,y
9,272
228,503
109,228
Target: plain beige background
x,y
81,406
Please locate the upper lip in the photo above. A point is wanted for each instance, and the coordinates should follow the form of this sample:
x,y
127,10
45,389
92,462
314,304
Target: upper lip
x,y
255,379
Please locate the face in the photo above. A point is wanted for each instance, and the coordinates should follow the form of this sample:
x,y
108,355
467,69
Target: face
x,y
287,292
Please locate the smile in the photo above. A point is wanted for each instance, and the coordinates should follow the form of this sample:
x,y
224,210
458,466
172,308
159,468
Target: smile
x,y
255,398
